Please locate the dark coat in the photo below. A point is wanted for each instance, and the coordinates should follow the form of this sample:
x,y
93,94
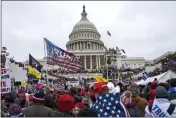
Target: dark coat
x,y
58,113
172,98
14,97
133,110
37,110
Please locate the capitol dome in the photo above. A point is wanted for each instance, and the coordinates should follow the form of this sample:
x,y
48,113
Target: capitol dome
x,y
84,24
84,42
84,36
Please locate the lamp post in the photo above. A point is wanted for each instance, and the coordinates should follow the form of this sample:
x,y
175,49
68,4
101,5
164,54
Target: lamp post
x,y
109,34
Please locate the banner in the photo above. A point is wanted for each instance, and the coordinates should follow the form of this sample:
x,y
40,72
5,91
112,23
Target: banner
x,y
6,80
56,55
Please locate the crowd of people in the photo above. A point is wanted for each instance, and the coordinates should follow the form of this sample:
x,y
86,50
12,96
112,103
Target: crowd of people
x,y
117,98
100,100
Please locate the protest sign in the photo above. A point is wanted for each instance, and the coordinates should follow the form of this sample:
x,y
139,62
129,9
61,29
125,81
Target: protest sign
x,y
6,80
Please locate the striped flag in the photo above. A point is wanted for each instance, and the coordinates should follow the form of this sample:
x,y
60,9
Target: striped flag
x,y
56,55
108,33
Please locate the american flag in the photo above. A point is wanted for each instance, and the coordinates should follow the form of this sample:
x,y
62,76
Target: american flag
x,y
110,105
56,55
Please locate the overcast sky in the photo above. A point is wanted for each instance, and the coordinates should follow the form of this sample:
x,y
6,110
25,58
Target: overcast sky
x,y
142,29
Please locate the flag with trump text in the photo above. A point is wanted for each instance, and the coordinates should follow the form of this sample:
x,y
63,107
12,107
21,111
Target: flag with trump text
x,y
60,57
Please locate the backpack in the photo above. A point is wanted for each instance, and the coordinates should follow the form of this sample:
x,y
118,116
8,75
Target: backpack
x,y
170,110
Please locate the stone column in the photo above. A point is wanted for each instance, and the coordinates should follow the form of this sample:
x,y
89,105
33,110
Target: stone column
x,y
73,46
96,62
80,45
85,62
84,45
90,61
99,61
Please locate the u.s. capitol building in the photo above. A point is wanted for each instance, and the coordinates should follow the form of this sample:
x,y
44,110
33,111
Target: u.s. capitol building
x,y
85,42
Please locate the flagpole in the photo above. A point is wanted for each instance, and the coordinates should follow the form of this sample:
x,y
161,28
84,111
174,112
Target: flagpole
x,y
106,59
45,62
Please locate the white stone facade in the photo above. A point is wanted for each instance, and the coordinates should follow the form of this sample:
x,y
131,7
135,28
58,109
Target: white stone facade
x,y
84,42
133,62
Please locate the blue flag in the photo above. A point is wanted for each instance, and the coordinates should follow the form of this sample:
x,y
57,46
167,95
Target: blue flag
x,y
145,76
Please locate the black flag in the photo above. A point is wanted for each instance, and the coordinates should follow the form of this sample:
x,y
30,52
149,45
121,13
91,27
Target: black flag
x,y
123,50
34,63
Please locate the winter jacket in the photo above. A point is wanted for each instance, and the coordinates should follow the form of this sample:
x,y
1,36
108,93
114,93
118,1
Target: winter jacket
x,y
133,110
160,109
37,110
152,94
141,104
13,95
58,113
146,93
172,95
77,98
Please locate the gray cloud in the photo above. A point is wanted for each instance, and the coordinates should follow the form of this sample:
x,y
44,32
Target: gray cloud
x,y
143,29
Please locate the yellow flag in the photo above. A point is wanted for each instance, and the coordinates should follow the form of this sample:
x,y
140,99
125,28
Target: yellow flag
x,y
24,84
100,78
34,72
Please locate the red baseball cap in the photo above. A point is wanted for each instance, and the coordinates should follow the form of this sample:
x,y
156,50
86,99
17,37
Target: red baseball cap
x,y
98,87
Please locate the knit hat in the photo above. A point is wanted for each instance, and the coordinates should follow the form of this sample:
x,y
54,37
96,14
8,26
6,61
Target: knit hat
x,y
83,93
98,87
14,110
161,92
111,87
39,97
85,100
80,105
134,91
65,103
126,98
